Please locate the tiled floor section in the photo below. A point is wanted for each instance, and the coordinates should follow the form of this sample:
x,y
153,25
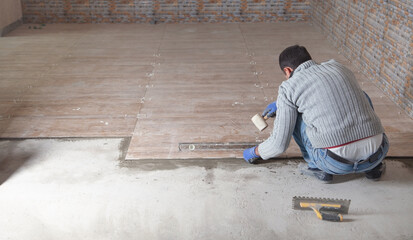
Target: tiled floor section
x,y
160,84
75,80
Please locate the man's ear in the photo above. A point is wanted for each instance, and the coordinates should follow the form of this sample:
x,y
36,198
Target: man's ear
x,y
288,71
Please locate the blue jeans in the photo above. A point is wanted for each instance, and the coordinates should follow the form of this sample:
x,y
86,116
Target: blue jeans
x,y
318,158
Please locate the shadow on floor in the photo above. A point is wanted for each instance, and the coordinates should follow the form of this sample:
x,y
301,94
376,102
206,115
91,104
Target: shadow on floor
x,y
12,161
391,173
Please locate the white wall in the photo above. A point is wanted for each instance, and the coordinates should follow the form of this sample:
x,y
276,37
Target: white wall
x,y
10,11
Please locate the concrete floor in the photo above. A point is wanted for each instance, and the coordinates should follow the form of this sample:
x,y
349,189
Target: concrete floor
x,y
81,189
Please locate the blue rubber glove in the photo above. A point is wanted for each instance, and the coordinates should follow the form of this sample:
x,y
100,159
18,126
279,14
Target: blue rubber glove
x,y
250,156
270,110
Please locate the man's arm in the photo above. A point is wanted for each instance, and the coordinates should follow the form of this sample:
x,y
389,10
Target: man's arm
x,y
283,129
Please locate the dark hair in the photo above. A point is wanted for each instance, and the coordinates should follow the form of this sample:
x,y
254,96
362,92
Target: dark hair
x,y
293,56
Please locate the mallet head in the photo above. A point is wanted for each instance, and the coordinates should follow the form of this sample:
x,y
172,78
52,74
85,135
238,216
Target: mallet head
x,y
259,121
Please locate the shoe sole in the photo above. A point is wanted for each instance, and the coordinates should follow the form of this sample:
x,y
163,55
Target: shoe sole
x,y
382,169
311,173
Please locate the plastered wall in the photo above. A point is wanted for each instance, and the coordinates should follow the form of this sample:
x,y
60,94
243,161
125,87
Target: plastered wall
x,y
10,12
154,11
377,36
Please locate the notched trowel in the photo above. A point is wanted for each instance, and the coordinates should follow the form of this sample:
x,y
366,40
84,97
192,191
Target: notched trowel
x,y
325,208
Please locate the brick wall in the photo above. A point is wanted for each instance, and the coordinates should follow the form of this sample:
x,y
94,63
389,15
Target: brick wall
x,y
377,36
147,11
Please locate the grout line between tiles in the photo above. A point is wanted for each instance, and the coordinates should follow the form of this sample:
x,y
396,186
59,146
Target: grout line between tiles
x,y
251,58
156,57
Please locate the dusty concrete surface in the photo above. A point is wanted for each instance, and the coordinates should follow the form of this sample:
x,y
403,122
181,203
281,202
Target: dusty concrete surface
x,y
56,189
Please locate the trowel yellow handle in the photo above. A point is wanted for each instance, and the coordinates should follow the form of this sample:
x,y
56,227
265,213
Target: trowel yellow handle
x,y
331,216
327,216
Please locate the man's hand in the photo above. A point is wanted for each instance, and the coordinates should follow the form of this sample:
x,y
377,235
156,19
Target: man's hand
x,y
270,110
250,155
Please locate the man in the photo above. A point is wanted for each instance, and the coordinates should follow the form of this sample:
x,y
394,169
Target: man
x,y
330,117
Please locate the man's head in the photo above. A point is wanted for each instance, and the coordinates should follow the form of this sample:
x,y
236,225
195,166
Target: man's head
x,y
291,58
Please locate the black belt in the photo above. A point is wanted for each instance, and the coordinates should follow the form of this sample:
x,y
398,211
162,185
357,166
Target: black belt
x,y
374,157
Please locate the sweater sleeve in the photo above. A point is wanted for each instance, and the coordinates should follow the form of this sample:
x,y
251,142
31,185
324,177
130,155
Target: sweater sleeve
x,y
284,124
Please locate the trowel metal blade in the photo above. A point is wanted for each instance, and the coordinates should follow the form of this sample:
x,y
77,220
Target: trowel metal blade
x,y
344,203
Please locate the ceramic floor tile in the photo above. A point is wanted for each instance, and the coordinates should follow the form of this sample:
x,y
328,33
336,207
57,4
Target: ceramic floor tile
x,y
61,127
207,69
203,44
98,70
75,108
212,55
109,52
201,28
118,44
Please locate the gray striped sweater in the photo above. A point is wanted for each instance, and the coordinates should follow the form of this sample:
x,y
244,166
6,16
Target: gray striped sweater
x,y
332,104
